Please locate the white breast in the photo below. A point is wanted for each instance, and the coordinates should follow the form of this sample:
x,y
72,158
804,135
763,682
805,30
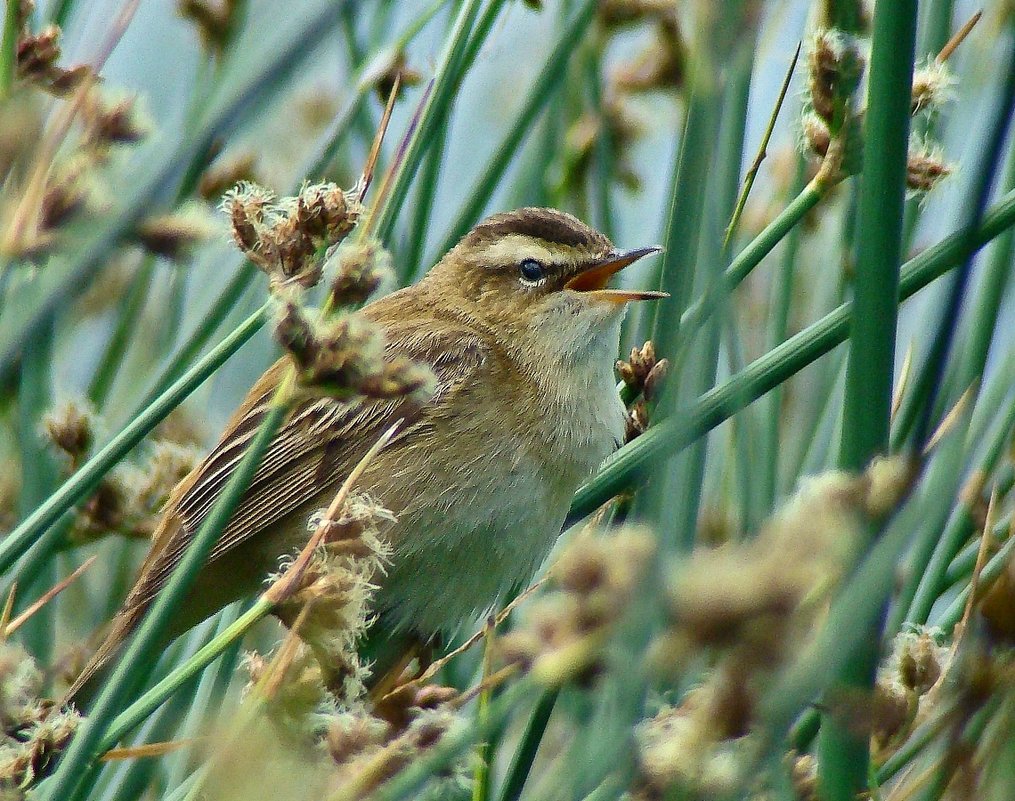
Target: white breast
x,y
465,555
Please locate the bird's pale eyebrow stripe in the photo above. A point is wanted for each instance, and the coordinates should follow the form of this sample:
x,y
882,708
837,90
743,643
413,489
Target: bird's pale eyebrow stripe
x,y
513,248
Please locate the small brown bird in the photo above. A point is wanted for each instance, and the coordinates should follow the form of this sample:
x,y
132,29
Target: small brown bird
x,y
521,334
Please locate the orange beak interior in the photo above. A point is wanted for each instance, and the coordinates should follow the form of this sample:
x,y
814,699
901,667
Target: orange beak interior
x,y
595,278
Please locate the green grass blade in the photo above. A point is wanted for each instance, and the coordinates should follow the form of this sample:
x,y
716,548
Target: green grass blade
x,y
773,368
537,98
36,301
91,472
446,79
139,656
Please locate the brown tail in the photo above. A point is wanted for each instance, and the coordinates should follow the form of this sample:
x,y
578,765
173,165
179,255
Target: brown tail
x,y
127,619
82,692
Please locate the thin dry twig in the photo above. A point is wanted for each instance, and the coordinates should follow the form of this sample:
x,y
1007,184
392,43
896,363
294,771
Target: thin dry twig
x,y
436,666
279,665
375,149
489,683
289,581
903,382
981,560
116,31
950,420
5,616
958,38
46,597
149,750
363,231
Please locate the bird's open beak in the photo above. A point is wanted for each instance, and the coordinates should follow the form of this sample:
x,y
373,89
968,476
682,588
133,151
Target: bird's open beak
x,y
594,279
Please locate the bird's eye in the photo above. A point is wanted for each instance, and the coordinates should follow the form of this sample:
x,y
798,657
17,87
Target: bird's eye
x,y
531,270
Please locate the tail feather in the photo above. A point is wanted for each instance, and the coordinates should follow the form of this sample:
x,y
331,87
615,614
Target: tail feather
x,y
82,692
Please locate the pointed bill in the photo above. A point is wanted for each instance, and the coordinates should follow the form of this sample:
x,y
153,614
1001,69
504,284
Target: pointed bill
x,y
593,280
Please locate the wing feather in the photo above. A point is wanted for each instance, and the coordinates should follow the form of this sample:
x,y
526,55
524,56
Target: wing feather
x,y
319,443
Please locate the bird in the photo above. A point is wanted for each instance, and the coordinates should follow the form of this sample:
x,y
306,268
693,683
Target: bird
x,y
521,332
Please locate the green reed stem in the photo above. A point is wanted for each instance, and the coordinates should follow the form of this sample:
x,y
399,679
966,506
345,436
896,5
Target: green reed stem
x,y
91,472
8,48
140,653
537,98
525,753
446,79
153,698
773,368
844,753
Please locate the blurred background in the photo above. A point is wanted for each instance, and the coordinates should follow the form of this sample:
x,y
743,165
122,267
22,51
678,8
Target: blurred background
x,y
118,274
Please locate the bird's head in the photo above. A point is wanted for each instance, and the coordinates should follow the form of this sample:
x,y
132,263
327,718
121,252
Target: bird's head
x,y
540,271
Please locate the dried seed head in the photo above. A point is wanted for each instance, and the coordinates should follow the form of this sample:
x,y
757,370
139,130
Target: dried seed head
x,y
925,169
35,732
727,597
405,703
916,660
36,54
112,122
617,123
21,685
662,65
71,428
65,81
396,68
367,755
654,380
289,237
643,374
804,776
344,356
248,205
627,12
933,86
350,352
359,268
296,697
836,66
564,633
350,734
637,421
760,597
215,21
679,747
104,513
168,465
891,712
334,593
66,194
35,57
625,371
582,570
175,235
400,377
815,134
225,173
28,756
296,335
889,481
